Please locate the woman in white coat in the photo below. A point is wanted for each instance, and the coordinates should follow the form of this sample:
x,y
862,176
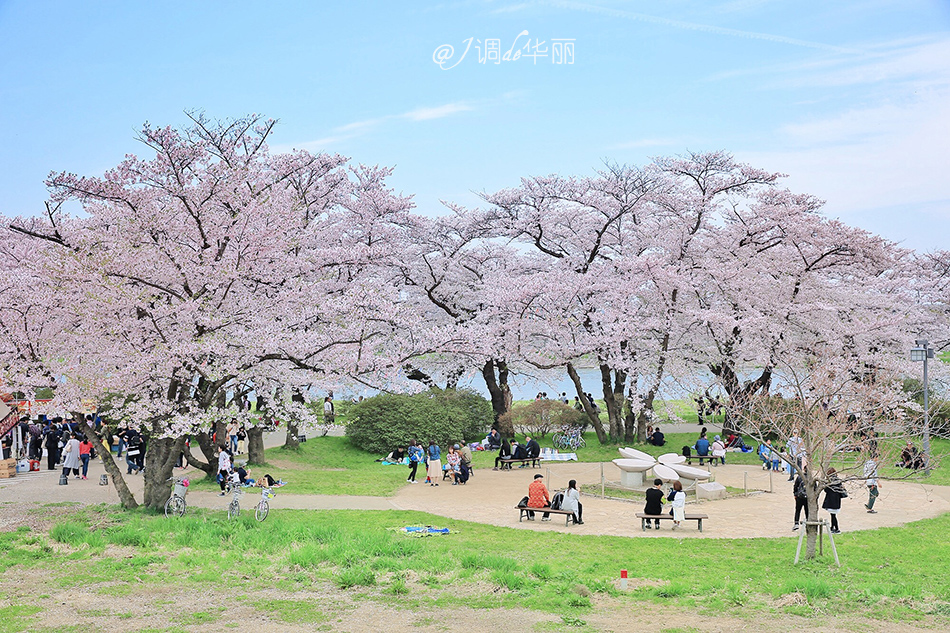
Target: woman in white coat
x,y
71,459
572,502
679,504
718,451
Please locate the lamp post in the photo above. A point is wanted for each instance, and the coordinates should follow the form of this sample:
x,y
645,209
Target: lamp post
x,y
923,352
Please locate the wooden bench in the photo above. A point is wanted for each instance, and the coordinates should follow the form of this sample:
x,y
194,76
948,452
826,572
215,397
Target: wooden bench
x,y
535,462
569,516
644,518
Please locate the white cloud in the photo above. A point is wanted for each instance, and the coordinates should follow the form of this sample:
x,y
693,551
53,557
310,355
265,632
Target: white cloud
x,y
426,114
359,128
694,26
889,155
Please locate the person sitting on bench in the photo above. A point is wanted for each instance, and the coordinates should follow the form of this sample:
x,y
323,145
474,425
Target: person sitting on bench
x,y
532,448
572,502
654,502
538,497
518,450
503,453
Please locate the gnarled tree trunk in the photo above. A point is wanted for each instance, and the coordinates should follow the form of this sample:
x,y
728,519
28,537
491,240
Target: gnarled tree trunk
x,y
115,472
255,445
588,407
159,464
500,393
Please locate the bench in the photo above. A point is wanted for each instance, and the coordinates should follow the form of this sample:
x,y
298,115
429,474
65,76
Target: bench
x,y
644,518
569,516
535,462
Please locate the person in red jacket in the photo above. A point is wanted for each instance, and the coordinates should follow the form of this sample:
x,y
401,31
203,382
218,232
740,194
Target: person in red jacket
x,y
538,497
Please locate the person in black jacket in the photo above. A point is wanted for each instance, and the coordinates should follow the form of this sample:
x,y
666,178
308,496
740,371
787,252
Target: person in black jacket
x,y
518,450
801,499
654,502
503,453
834,492
53,435
533,448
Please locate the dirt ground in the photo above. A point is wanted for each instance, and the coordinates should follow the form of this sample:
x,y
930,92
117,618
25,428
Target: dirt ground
x,y
490,497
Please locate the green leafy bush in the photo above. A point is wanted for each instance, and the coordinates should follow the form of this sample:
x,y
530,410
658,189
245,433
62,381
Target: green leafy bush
x,y
540,417
383,422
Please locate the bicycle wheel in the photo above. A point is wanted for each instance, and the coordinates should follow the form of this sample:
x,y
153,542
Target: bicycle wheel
x,y
175,506
261,512
234,509
581,443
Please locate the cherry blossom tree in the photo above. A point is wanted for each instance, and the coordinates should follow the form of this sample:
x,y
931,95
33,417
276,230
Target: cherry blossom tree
x,y
209,265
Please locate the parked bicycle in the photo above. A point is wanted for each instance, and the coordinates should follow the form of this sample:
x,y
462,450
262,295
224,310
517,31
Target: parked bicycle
x,y
262,507
176,504
569,438
234,508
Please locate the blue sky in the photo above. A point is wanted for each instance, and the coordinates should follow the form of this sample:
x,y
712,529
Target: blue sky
x,y
851,99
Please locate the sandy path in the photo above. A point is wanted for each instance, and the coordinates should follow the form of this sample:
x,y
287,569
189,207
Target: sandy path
x,y
489,498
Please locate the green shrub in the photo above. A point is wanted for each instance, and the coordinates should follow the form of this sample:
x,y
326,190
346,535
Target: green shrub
x,y
381,423
540,417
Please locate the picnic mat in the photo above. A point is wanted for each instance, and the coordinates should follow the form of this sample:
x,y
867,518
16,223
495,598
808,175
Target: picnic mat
x,y
558,457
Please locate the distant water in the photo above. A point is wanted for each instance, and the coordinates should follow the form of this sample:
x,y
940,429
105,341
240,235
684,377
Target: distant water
x,y
527,386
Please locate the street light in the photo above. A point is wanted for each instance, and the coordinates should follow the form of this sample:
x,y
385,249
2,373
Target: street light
x,y
923,352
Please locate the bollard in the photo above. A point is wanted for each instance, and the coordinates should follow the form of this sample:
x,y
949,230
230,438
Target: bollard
x,y
623,580
63,479
745,482
103,480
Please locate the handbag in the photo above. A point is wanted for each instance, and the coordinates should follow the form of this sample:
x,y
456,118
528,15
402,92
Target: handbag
x,y
132,452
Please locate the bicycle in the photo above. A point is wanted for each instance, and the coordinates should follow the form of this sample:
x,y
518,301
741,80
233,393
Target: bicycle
x,y
262,507
234,508
176,504
569,438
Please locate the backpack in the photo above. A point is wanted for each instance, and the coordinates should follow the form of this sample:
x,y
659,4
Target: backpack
x,y
557,500
523,503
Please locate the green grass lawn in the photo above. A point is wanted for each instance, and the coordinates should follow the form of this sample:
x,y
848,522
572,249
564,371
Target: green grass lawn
x,y
898,574
328,466
332,466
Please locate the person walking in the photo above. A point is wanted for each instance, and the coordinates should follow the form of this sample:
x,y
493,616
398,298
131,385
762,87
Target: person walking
x,y
71,460
85,454
52,446
870,480
224,468
435,463
834,493
416,455
572,502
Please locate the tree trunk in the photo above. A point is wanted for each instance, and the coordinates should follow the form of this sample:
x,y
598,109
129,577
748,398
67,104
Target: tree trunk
x,y
115,472
740,394
811,530
500,393
613,400
160,462
290,441
645,418
255,445
207,448
588,408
